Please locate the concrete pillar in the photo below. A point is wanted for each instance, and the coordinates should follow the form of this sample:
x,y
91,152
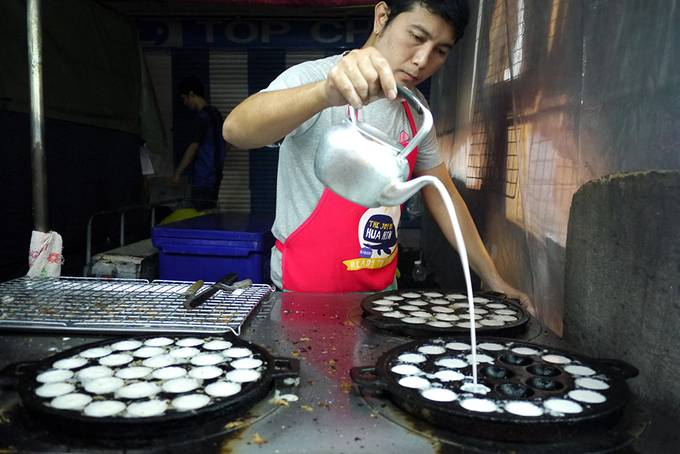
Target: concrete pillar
x,y
622,297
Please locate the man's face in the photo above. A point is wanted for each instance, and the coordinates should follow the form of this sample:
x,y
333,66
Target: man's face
x,y
415,43
187,101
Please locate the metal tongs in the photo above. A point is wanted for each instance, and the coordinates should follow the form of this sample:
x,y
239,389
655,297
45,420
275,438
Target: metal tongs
x,y
227,283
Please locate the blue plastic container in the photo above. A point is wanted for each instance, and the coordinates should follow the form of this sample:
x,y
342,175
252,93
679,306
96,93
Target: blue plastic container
x,y
210,246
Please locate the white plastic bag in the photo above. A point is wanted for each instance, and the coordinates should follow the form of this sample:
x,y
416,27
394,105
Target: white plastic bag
x,y
44,256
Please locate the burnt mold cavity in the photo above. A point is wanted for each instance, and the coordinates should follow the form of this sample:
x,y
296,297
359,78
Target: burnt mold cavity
x,y
545,384
514,390
515,360
543,370
496,372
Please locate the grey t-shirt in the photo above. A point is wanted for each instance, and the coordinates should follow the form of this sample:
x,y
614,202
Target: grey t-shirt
x,y
298,190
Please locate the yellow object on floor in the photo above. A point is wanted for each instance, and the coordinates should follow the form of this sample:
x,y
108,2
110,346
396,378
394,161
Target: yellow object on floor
x,y
181,214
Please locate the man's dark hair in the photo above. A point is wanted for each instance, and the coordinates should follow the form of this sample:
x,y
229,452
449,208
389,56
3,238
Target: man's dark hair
x,y
193,84
455,12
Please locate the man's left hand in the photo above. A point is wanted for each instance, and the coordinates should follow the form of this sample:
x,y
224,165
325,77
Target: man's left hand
x,y
511,292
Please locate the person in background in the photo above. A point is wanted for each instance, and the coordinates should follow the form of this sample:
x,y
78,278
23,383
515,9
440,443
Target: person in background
x,y
326,243
205,153
147,170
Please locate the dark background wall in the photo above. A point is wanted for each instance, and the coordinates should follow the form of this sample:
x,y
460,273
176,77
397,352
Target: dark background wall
x,y
92,92
89,169
541,98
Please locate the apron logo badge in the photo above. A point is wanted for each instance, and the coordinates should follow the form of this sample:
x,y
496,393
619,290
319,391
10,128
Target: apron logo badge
x,y
404,138
379,234
377,239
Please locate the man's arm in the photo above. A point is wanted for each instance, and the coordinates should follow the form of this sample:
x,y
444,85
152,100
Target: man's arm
x,y
265,117
358,78
478,256
187,159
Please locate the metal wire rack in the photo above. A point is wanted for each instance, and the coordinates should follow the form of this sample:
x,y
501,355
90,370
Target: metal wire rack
x,y
121,306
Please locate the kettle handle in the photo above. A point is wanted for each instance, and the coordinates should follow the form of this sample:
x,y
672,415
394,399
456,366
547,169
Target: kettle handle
x,y
410,98
419,107
424,127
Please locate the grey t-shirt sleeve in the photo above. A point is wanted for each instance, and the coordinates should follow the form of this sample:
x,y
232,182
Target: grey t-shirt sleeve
x,y
302,74
428,150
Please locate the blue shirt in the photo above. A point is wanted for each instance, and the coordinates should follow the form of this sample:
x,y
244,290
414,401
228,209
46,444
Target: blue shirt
x,y
209,160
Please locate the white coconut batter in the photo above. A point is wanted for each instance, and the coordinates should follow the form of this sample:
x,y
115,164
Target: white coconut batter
x,y
180,385
73,401
247,363
70,363
452,363
104,408
207,359
116,359
556,359
591,383
432,349
147,408
586,396
158,342
104,385
54,389
96,352
206,372
217,345
126,345
223,389
414,382
138,390
458,346
406,369
55,375
579,370
243,375
448,375
156,362
237,352
190,402
479,405
132,373
189,342
92,372
522,408
439,394
562,406
169,373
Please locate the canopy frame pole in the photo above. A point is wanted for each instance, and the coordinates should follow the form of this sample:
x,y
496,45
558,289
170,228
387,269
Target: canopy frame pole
x,y
38,161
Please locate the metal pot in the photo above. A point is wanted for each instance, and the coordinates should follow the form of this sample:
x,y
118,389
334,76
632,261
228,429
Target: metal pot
x,y
363,165
22,377
537,379
378,319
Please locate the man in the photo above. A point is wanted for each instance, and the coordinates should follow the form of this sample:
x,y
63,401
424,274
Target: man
x,y
207,148
324,241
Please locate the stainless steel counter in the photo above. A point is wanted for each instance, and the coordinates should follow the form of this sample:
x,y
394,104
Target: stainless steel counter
x,y
325,332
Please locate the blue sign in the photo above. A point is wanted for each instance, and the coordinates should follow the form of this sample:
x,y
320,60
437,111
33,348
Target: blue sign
x,y
240,33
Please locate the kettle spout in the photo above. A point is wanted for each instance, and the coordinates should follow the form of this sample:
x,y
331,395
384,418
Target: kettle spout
x,y
399,192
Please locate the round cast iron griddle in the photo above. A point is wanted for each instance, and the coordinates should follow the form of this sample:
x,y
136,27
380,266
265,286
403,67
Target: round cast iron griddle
x,y
523,373
74,422
378,319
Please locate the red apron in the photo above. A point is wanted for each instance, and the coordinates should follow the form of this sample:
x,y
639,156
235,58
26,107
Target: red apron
x,y
343,246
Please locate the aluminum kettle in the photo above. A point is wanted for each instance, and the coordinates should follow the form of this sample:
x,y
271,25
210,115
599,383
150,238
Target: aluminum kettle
x,y
360,163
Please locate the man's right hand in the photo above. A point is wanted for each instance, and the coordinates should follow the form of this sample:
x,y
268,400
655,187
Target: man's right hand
x,y
360,77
